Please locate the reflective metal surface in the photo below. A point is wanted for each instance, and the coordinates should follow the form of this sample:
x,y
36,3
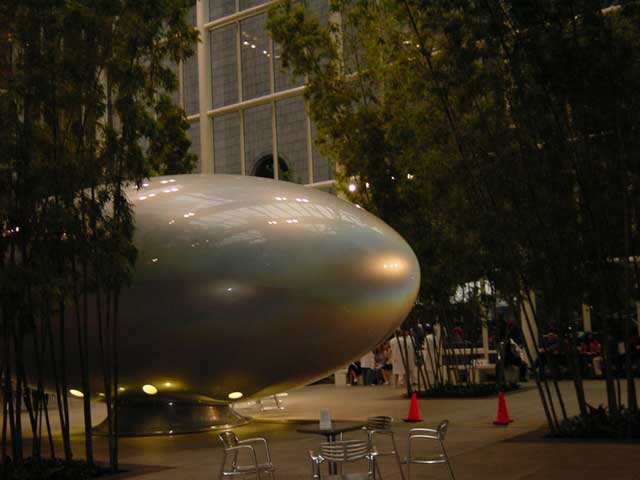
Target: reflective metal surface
x,y
171,413
249,286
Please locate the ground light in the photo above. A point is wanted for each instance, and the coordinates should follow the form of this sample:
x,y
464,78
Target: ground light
x,y
149,389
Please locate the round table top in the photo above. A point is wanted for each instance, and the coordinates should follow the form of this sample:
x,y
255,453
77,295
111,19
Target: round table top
x,y
336,428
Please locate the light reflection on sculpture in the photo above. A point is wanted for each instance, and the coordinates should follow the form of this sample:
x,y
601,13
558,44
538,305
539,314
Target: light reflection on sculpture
x,y
248,286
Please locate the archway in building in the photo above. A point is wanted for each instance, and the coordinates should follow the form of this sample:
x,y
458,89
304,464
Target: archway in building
x,y
264,168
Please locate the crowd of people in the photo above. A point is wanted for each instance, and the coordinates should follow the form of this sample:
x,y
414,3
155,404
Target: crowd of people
x,y
555,350
385,364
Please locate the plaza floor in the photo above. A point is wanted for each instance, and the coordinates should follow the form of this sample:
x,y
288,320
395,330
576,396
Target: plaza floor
x,y
477,448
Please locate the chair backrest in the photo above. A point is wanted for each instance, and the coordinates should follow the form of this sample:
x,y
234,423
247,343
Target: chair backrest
x,y
379,423
344,451
442,429
229,439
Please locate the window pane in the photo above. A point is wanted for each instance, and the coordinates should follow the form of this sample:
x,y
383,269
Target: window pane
x,y
194,135
321,168
255,57
292,139
226,143
244,4
258,140
284,79
224,67
221,8
190,73
190,84
191,15
320,8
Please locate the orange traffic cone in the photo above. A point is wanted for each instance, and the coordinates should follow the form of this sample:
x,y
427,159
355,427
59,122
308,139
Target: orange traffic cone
x,y
414,414
503,416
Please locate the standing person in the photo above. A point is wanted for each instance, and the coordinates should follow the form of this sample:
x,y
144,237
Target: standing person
x,y
387,366
429,353
398,368
367,364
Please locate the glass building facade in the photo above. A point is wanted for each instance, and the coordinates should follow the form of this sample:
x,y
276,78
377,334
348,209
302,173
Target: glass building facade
x,y
247,116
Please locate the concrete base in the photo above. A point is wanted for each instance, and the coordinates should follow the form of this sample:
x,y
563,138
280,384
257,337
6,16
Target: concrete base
x,y
168,414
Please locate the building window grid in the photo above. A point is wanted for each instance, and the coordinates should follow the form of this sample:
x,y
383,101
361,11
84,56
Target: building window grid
x,y
225,80
314,171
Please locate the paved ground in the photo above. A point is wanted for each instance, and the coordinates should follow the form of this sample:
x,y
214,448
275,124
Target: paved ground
x,y
478,449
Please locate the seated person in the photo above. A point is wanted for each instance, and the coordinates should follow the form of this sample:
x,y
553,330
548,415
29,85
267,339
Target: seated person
x,y
353,372
457,335
591,353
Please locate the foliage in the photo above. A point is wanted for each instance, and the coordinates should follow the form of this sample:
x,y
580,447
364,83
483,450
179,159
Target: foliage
x,y
500,138
448,390
84,113
601,423
32,469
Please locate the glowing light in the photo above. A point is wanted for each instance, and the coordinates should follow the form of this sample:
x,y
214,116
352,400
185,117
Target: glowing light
x,y
302,200
264,52
149,389
409,176
280,199
235,395
174,189
167,384
76,393
253,45
366,184
188,214
152,195
166,191
292,220
352,187
145,184
164,181
142,197
121,389
154,260
245,43
172,180
273,222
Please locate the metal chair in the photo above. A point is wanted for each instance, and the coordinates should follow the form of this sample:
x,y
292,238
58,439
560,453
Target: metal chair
x,y
336,454
419,434
232,448
381,425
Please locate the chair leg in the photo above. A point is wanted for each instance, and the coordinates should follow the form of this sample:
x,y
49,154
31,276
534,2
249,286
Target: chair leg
x,y
224,460
395,451
376,470
446,458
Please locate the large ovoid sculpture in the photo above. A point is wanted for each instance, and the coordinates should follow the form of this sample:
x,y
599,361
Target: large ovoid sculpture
x,y
244,287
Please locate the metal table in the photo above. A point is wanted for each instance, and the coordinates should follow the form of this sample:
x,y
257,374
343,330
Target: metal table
x,y
331,434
